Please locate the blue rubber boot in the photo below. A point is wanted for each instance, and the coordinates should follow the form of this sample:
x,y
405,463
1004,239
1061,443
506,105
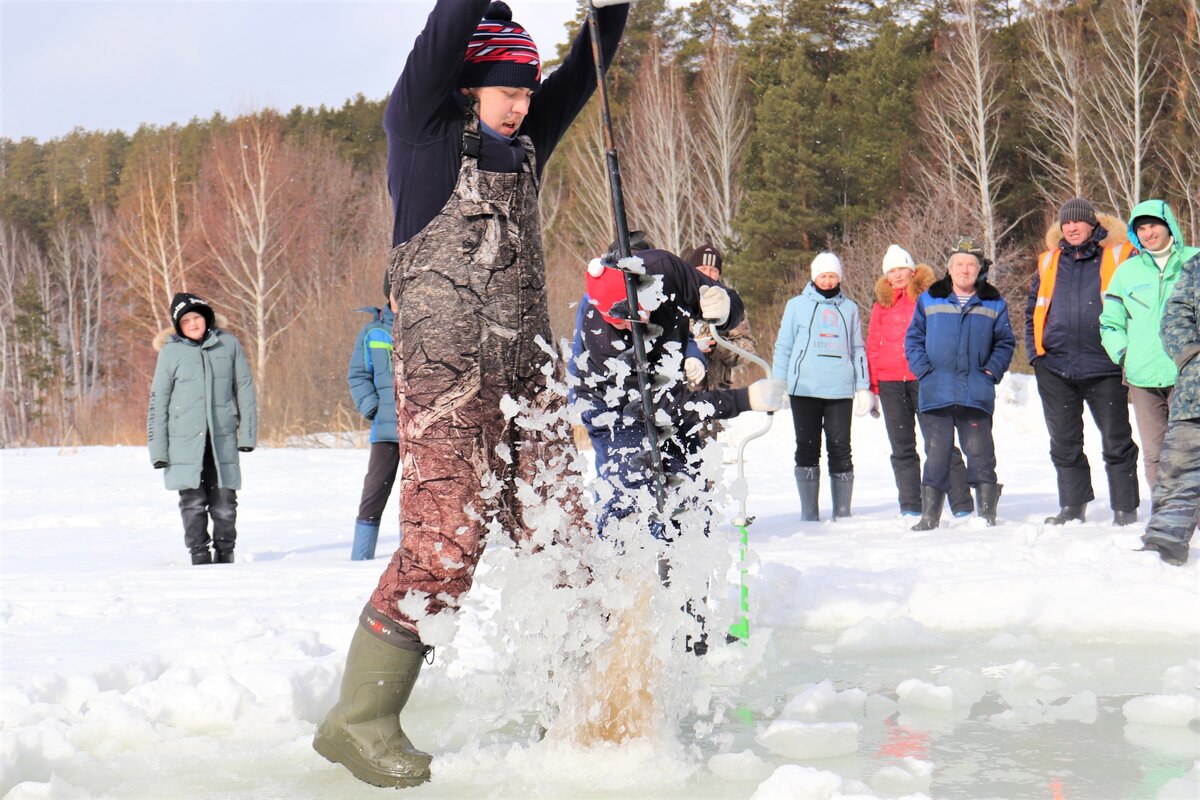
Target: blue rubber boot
x,y
366,534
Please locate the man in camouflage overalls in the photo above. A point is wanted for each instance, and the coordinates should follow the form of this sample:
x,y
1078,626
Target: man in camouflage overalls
x,y
1175,506
469,126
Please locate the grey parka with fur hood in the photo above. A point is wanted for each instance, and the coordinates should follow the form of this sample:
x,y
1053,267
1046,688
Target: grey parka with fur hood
x,y
201,389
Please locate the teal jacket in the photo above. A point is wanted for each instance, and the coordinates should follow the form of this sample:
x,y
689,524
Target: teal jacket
x,y
201,390
1134,303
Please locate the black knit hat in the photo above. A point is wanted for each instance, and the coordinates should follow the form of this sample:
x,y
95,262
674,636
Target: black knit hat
x,y
706,256
1077,209
185,302
500,53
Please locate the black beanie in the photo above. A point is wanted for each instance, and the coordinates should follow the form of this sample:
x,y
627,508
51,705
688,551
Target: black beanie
x,y
185,302
500,53
1077,209
706,256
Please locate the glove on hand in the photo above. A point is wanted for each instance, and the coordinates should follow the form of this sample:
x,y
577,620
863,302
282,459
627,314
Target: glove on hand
x,y
160,465
874,405
714,304
693,369
245,449
767,394
864,401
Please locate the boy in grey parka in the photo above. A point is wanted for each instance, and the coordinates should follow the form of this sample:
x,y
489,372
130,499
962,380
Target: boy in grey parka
x,y
202,414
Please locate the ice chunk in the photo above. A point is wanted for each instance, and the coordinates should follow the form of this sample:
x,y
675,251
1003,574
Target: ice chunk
x,y
911,775
743,766
920,694
1186,787
793,782
1165,710
809,740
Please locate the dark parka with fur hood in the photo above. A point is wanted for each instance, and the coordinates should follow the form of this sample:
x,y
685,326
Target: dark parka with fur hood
x,y
890,317
201,389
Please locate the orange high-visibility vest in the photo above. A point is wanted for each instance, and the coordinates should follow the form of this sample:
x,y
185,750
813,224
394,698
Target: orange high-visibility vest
x,y
1048,271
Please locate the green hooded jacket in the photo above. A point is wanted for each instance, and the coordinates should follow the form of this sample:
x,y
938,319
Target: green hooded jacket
x,y
1134,302
201,390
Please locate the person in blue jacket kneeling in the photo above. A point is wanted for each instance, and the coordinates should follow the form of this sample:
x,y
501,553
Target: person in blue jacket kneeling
x,y
959,345
372,387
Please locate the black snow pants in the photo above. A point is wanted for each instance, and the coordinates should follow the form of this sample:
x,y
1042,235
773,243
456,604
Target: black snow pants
x,y
209,500
900,417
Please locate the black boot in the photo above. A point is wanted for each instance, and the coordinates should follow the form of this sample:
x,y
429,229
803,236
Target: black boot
x,y
1123,518
223,556
808,483
841,486
202,556
1068,513
932,501
987,495
362,732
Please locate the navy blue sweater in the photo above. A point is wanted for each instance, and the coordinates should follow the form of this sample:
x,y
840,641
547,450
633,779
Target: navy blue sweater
x,y
424,115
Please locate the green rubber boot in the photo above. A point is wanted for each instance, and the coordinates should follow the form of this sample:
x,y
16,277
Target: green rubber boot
x,y
362,732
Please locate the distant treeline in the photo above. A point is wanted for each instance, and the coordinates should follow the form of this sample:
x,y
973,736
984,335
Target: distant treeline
x,y
773,129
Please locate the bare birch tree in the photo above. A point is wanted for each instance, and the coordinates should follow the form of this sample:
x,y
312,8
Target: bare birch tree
x,y
657,146
961,115
248,220
77,260
1122,102
722,126
1058,108
154,257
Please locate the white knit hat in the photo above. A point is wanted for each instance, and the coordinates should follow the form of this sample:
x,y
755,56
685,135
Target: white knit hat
x,y
895,258
827,262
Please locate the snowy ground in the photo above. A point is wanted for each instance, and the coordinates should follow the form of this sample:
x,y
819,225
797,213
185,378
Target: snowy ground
x,y
1020,661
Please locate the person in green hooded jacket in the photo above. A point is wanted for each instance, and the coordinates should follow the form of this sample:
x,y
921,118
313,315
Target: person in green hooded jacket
x,y
1129,323
202,415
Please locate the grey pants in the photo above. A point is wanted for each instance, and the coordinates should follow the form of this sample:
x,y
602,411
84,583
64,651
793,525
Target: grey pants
x,y
1150,410
1176,504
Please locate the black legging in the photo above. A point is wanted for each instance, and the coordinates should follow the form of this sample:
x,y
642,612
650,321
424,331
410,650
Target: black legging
x,y
812,414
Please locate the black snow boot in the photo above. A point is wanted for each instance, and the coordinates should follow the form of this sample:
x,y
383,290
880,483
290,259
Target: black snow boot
x,y
988,495
808,483
1067,514
362,732
841,485
223,556
202,556
932,501
1123,518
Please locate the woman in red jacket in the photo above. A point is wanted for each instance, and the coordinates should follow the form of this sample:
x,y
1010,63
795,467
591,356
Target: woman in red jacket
x,y
891,379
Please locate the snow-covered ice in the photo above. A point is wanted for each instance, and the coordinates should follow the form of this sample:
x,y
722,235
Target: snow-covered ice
x,y
1021,661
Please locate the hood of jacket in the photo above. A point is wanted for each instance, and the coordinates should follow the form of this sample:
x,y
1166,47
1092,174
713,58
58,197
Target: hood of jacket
x,y
922,279
945,287
1155,208
1115,227
167,334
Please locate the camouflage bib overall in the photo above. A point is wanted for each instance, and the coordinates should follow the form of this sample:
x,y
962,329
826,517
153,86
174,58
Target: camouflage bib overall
x,y
471,296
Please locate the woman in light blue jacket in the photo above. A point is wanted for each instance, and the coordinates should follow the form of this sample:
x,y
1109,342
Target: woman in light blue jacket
x,y
820,354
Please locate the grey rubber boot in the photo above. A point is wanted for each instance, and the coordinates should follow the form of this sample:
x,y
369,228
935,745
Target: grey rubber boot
x,y
841,486
932,501
362,732
808,483
988,495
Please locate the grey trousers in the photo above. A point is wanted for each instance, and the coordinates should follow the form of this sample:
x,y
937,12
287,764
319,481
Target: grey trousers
x,y
1176,503
1150,410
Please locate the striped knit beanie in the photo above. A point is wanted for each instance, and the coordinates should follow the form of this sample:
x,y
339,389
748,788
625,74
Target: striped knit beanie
x,y
501,53
706,256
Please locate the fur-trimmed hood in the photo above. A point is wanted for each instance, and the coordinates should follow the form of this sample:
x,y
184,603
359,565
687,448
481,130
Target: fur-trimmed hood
x,y
1114,225
922,279
162,337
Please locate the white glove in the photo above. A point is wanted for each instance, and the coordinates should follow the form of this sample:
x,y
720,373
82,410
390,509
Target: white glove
x,y
864,401
767,394
693,369
714,304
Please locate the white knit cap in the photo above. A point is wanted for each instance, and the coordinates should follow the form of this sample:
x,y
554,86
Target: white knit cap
x,y
827,262
895,258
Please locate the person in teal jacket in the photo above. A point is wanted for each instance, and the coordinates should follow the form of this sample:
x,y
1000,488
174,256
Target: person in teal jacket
x,y
202,415
1129,322
821,356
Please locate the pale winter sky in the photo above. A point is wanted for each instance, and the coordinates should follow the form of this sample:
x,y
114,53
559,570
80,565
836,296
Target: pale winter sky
x,y
105,65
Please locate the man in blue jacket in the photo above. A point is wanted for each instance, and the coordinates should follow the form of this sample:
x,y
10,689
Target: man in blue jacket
x,y
372,387
959,346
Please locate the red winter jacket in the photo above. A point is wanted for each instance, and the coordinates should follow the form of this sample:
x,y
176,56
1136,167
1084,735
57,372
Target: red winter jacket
x,y
890,317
